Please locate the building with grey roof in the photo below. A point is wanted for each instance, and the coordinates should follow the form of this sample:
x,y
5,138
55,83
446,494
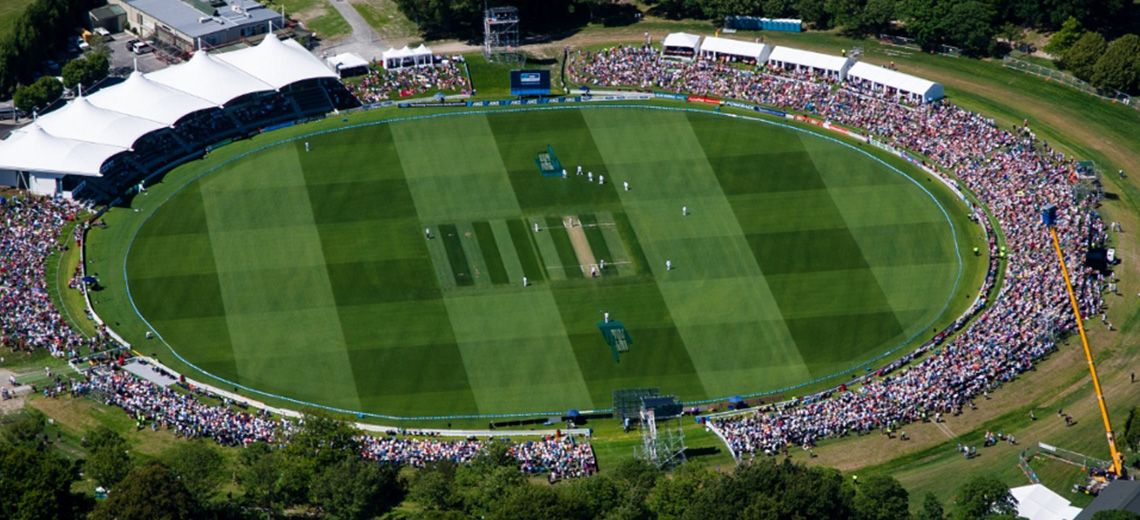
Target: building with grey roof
x,y
186,25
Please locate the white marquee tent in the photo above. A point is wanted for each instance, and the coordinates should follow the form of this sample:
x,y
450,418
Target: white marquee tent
x,y
834,66
140,96
1037,502
33,149
891,81
681,45
211,79
395,59
263,61
714,47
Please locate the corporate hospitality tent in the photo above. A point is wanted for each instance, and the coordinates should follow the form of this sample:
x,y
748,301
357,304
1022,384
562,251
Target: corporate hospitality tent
x,y
211,79
140,96
263,61
1037,502
82,121
714,48
833,67
681,45
348,64
895,83
395,59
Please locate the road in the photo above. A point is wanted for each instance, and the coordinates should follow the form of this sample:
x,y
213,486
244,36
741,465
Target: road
x,y
363,41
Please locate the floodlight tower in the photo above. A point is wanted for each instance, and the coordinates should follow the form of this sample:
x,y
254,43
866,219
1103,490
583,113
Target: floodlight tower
x,y
1049,218
500,33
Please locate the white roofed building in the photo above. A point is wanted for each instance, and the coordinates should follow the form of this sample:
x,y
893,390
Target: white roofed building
x,y
143,97
211,79
827,66
396,59
884,82
682,46
193,24
724,48
1037,502
263,61
82,121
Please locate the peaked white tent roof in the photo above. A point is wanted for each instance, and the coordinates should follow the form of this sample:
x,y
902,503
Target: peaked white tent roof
x,y
1037,502
81,120
895,79
393,53
265,60
686,40
142,97
212,79
733,47
421,50
809,59
33,149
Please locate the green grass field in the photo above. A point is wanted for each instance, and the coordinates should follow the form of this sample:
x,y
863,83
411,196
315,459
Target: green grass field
x,y
308,274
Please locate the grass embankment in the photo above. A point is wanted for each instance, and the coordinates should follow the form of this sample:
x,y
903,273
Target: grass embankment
x,y
317,15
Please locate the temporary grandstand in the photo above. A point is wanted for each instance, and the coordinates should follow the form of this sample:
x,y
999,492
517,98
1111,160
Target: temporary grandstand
x,y
882,81
148,123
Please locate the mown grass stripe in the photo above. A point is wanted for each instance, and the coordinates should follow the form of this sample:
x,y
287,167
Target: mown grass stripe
x,y
459,267
532,268
474,254
491,256
633,244
565,249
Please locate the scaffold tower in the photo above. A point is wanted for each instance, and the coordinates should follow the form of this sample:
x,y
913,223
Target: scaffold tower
x,y
501,34
662,447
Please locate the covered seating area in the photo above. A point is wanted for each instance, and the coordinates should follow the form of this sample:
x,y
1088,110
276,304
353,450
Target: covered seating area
x,y
881,81
833,68
396,59
151,122
682,46
717,48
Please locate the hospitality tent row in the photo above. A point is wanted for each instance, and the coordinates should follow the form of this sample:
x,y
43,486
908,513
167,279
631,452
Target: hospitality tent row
x,y
889,82
396,59
860,75
79,138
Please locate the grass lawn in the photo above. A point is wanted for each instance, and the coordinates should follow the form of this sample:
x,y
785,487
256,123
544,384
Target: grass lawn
x,y
10,11
490,80
317,15
385,17
308,275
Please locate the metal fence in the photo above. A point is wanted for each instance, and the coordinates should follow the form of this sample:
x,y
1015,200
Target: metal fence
x,y
1067,80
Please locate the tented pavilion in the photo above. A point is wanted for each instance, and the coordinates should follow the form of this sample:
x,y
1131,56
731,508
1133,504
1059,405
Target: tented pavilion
x,y
723,48
79,139
882,81
682,46
396,59
825,65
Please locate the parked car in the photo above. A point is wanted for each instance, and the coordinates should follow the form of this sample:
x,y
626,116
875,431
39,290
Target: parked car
x,y
104,34
140,48
81,43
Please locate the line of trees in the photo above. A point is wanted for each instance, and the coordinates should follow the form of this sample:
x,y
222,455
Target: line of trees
x,y
38,35
1090,57
319,474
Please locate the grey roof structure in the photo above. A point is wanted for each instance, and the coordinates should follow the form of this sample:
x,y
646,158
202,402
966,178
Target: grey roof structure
x,y
1118,495
193,22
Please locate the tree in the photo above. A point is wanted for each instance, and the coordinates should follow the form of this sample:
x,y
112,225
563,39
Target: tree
x,y
433,487
35,484
107,458
481,485
594,497
355,488
527,502
149,491
813,12
881,497
199,466
85,70
971,25
982,497
670,497
844,13
876,17
1064,39
1083,55
1131,438
1119,67
924,22
931,508
38,95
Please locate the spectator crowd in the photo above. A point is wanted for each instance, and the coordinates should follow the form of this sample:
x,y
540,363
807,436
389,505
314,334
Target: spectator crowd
x,y
447,76
1009,169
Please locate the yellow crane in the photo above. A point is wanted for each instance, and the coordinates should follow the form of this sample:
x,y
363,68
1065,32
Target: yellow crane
x,y
1049,217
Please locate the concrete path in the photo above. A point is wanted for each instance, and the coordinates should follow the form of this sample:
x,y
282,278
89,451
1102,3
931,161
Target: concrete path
x,y
363,41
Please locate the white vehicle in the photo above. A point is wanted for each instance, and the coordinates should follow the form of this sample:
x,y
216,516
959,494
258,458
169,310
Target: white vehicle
x,y
103,33
81,43
140,48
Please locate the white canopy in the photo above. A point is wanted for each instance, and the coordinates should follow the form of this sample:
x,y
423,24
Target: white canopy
x,y
211,79
33,149
393,53
684,40
265,61
80,120
929,90
422,50
1037,502
714,45
140,96
347,60
815,60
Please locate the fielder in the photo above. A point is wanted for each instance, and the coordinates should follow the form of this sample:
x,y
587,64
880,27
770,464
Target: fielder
x,y
625,184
